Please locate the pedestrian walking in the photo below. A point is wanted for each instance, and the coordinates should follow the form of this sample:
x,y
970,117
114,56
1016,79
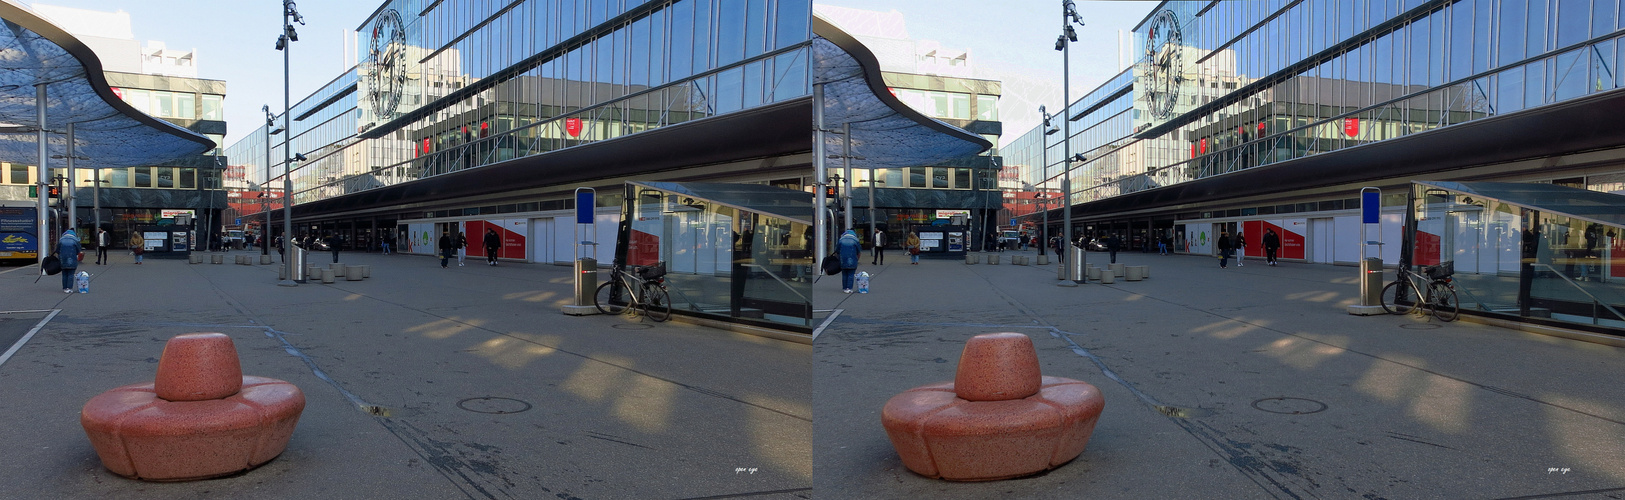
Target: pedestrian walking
x,y
1055,245
1241,247
1162,245
69,248
879,248
447,247
1272,243
281,249
912,246
1224,249
462,247
1113,244
493,244
333,244
102,241
138,246
848,250
384,243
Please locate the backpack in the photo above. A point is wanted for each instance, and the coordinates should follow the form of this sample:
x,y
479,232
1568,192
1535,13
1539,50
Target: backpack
x,y
831,265
51,265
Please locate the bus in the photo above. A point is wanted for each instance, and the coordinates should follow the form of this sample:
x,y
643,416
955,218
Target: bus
x,y
19,225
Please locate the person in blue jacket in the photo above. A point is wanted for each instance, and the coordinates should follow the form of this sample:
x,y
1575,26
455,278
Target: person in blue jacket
x,y
68,248
848,249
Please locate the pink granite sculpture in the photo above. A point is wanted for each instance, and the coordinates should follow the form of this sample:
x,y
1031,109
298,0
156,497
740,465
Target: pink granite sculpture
x,y
200,418
999,418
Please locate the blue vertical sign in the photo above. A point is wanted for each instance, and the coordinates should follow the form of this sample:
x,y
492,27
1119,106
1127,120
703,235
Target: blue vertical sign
x,y
1371,207
584,205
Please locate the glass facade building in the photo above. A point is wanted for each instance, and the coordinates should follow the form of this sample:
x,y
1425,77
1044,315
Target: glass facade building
x,y
444,87
1242,116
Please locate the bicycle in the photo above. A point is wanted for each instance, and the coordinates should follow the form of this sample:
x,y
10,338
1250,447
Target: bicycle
x,y
1400,296
618,295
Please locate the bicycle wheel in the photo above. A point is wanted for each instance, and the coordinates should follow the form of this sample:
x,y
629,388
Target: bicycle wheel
x,y
656,304
611,298
1398,297
1445,306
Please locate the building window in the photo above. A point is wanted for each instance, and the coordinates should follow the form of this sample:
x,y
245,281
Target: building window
x,y
19,174
188,178
939,177
961,178
213,108
143,177
987,107
118,177
916,177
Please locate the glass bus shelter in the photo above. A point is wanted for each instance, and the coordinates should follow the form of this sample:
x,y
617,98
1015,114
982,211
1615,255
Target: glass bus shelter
x,y
1536,253
734,252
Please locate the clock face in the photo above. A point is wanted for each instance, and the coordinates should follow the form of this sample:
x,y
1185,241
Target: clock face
x,y
1166,72
388,50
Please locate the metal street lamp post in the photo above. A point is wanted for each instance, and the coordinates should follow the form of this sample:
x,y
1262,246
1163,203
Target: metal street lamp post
x,y
284,43
1043,146
270,120
1069,15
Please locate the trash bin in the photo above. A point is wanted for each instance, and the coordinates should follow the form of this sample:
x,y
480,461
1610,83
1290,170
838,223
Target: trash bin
x,y
1076,262
1371,281
296,262
586,280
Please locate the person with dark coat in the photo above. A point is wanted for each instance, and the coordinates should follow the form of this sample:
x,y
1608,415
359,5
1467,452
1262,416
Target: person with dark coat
x,y
1272,243
333,244
1113,244
493,243
1241,247
447,246
68,248
878,244
848,249
1224,249
462,247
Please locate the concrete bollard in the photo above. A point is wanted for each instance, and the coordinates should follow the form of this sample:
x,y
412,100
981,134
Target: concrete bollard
x,y
1094,273
327,276
337,269
217,259
194,259
1132,273
1107,278
352,274
1145,272
1117,270
970,259
999,418
265,260
281,273
1043,260
993,259
313,272
366,270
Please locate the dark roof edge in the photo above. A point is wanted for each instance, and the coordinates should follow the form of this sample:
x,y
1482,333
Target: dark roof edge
x,y
871,71
93,70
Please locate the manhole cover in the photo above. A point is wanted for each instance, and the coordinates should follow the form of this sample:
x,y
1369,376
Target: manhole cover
x,y
1420,326
631,326
1290,406
491,405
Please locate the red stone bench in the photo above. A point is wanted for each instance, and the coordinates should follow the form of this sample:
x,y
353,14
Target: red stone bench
x,y
999,418
200,418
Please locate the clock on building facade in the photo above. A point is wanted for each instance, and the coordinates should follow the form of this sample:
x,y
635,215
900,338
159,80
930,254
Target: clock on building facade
x,y
1164,64
387,48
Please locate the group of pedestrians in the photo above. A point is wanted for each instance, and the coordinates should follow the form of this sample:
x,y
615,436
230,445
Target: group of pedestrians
x,y
1227,247
457,244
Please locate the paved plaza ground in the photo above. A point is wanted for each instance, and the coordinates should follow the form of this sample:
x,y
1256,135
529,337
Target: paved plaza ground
x,y
1247,382
421,382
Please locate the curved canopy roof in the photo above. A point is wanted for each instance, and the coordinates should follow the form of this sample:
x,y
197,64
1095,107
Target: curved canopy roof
x,y
108,132
885,132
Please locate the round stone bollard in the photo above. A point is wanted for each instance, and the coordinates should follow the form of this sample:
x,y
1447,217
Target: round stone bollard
x,y
312,272
327,277
1132,273
1094,273
1043,260
999,418
337,269
1145,272
1107,278
1117,269
970,259
281,273
352,274
265,260
217,259
993,259
194,259
366,270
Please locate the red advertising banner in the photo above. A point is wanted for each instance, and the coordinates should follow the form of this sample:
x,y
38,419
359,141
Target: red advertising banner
x,y
573,126
1616,269
1351,126
643,249
513,243
1426,252
1291,234
1253,231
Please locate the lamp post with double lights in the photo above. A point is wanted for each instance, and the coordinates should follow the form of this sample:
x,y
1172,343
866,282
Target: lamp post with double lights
x,y
290,15
1069,15
270,121
1043,146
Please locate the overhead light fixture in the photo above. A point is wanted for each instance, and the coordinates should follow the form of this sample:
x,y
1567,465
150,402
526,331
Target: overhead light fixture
x,y
1070,34
1060,43
281,42
293,36
1051,131
1079,158
299,156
